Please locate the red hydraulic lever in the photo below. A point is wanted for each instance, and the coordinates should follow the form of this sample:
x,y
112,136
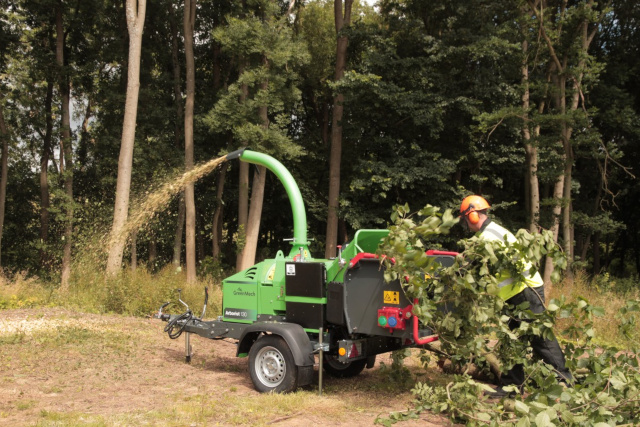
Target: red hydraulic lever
x,y
365,255
435,252
416,337
359,256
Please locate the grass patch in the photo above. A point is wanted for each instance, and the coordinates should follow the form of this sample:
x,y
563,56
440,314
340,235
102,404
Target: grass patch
x,y
16,338
24,405
251,410
139,293
54,418
21,291
209,409
607,326
134,293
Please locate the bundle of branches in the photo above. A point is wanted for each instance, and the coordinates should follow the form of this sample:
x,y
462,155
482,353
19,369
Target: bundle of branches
x,y
460,303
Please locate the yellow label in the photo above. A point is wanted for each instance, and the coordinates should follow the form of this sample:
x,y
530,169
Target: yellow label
x,y
271,273
391,297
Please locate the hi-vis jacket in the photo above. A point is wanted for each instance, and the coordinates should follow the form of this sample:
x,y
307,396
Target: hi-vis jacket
x,y
509,287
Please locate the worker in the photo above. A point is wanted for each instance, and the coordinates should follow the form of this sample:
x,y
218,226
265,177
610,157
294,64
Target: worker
x,y
514,292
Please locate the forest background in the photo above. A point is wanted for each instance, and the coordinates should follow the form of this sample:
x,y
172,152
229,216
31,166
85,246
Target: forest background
x,y
533,104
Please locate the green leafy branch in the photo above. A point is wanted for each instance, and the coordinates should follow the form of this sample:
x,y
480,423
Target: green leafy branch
x,y
460,303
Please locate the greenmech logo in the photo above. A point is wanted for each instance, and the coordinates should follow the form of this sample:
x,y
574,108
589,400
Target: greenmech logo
x,y
241,292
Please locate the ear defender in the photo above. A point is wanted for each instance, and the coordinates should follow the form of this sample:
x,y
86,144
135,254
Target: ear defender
x,y
473,217
470,207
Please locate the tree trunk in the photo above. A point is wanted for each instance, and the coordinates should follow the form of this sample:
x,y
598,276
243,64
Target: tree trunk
x,y
562,189
560,75
243,187
342,20
216,223
255,212
177,86
531,150
566,213
67,149
586,38
243,210
44,178
4,173
189,191
257,195
177,238
135,12
178,133
555,229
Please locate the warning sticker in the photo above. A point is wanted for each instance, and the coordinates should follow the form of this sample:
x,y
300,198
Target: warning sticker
x,y
271,273
391,297
291,269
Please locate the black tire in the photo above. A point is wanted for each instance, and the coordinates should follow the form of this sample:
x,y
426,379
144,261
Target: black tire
x,y
333,367
271,365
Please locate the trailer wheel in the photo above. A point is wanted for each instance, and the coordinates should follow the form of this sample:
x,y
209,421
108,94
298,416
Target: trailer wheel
x,y
337,369
271,365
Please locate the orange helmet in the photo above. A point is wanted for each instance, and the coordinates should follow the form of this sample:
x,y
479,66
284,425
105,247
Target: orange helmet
x,y
470,207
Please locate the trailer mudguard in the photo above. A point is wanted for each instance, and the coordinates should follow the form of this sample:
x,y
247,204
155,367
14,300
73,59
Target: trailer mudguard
x,y
294,335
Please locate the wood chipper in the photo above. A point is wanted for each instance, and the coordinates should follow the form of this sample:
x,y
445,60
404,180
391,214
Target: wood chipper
x,y
286,310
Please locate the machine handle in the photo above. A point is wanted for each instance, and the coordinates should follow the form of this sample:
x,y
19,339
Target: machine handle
x,y
435,252
416,337
206,300
365,255
356,259
160,314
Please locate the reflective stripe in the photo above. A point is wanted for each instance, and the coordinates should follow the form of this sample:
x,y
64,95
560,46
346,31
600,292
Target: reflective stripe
x,y
505,282
509,286
495,233
532,281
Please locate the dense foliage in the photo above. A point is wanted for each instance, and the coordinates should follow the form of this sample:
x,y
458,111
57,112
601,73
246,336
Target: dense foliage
x,y
433,110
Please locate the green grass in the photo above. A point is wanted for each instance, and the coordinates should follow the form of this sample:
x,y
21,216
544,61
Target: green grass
x,y
138,293
606,327
23,405
54,418
21,291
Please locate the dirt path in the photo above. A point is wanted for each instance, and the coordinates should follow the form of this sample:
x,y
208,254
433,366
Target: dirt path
x,y
59,367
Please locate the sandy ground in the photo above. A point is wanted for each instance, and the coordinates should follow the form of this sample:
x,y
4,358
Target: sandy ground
x,y
52,363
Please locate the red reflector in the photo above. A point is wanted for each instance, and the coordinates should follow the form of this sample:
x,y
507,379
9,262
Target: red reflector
x,y
354,351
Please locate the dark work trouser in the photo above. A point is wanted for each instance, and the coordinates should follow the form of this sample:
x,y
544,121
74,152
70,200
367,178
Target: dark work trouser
x,y
547,350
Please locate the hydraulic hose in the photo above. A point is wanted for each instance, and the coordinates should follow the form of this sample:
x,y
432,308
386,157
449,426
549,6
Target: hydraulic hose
x,y
173,329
